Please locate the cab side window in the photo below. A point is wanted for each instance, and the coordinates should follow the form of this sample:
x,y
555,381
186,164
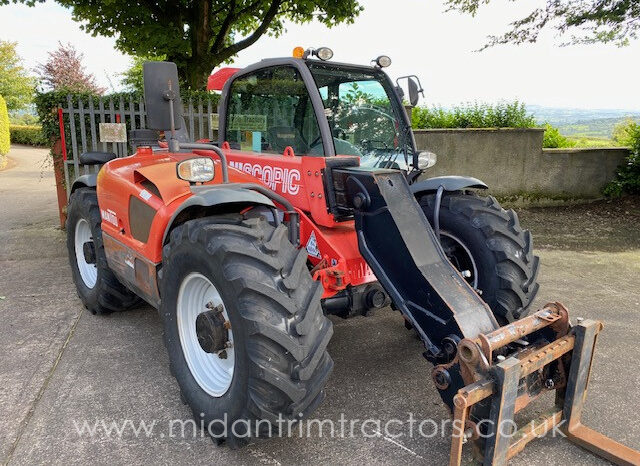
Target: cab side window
x,y
270,110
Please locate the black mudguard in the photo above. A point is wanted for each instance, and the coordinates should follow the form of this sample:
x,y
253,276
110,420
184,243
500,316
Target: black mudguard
x,y
85,181
209,196
448,183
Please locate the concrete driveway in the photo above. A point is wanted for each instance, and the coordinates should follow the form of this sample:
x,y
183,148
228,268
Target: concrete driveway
x,y
61,367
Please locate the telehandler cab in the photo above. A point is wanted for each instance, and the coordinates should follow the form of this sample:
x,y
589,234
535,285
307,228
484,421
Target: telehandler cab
x,y
311,203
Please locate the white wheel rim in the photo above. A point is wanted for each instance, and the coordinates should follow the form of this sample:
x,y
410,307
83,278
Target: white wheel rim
x,y
212,373
88,272
474,282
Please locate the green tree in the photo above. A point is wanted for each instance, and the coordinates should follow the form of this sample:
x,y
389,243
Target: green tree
x,y
554,140
198,34
16,86
624,131
5,143
588,21
132,78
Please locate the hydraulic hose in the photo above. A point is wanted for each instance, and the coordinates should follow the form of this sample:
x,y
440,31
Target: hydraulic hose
x,y
436,212
294,217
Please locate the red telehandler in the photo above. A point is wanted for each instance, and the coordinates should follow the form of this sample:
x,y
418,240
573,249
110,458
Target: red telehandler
x,y
311,203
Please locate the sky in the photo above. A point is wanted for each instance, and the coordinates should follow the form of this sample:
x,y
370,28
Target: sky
x,y
419,36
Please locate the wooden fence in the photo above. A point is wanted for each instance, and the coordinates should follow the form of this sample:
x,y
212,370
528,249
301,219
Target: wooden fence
x,y
79,127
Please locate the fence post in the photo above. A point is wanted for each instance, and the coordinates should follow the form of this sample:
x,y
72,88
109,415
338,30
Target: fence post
x,y
57,154
200,117
192,130
74,143
209,120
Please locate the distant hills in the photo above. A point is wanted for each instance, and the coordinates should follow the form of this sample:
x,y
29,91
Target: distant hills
x,y
578,122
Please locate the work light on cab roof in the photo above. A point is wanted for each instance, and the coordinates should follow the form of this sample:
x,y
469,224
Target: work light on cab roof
x,y
382,61
323,53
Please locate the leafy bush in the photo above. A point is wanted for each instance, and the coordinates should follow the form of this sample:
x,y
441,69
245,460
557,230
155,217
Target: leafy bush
x,y
31,135
553,139
132,78
501,115
589,142
623,132
23,119
5,142
627,178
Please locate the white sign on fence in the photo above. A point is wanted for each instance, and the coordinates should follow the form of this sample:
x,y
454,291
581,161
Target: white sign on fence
x,y
213,120
113,132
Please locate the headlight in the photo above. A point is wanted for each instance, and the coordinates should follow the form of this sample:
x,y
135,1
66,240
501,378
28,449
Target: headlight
x,y
426,160
196,170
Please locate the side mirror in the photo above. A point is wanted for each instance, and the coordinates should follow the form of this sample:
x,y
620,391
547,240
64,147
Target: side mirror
x,y
414,87
162,95
413,91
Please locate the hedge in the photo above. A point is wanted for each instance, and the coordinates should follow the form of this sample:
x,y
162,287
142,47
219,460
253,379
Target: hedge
x,y
475,115
30,135
47,104
5,141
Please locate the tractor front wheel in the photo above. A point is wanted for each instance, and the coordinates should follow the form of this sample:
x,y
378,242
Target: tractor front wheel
x,y
243,326
489,248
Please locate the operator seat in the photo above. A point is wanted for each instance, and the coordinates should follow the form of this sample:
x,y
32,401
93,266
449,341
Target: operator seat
x,y
280,137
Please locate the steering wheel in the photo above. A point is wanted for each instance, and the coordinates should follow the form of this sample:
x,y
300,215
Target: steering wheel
x,y
368,144
339,133
315,142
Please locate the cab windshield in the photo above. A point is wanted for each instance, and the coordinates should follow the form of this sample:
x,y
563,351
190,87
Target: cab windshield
x,y
363,119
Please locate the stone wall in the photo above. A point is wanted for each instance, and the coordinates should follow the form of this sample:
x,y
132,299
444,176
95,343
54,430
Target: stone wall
x,y
512,162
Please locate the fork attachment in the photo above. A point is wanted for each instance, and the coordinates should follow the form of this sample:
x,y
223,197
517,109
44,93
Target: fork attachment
x,y
565,366
484,373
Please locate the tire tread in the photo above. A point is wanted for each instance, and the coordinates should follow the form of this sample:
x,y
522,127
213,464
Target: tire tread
x,y
516,266
288,364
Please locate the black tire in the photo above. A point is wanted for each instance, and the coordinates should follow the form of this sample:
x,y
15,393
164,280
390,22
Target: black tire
x,y
280,334
108,294
507,269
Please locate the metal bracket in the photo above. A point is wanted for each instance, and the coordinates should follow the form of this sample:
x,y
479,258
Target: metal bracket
x,y
501,387
586,335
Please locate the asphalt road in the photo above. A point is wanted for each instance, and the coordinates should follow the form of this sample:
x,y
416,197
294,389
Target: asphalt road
x,y
61,367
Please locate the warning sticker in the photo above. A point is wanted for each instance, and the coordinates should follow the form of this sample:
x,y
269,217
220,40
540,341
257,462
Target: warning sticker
x,y
109,215
144,194
312,246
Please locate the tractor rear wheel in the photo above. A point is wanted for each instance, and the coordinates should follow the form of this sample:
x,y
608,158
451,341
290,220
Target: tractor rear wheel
x,y
489,247
98,288
243,326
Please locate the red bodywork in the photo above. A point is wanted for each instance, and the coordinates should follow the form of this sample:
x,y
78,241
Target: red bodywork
x,y
336,259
